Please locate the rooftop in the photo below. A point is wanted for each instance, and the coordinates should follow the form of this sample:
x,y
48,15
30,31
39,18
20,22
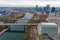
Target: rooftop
x,y
43,23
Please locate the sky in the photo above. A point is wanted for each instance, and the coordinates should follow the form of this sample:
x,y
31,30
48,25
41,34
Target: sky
x,y
29,3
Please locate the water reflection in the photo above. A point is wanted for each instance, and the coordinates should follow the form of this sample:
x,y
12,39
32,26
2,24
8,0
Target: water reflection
x,y
15,35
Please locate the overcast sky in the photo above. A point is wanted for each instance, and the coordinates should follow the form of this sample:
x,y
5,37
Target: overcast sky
x,y
29,2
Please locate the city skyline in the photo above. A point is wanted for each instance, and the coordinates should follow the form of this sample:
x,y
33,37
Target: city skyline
x,y
29,3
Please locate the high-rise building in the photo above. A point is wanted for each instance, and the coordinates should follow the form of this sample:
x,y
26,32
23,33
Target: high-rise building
x,y
37,8
47,8
40,9
53,9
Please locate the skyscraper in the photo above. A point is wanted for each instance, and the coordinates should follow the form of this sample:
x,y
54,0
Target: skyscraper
x,y
37,8
48,8
53,9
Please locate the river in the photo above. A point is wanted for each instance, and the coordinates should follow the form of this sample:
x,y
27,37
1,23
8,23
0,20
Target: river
x,y
16,35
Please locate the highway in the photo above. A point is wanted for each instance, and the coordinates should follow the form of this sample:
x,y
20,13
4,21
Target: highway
x,y
34,31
